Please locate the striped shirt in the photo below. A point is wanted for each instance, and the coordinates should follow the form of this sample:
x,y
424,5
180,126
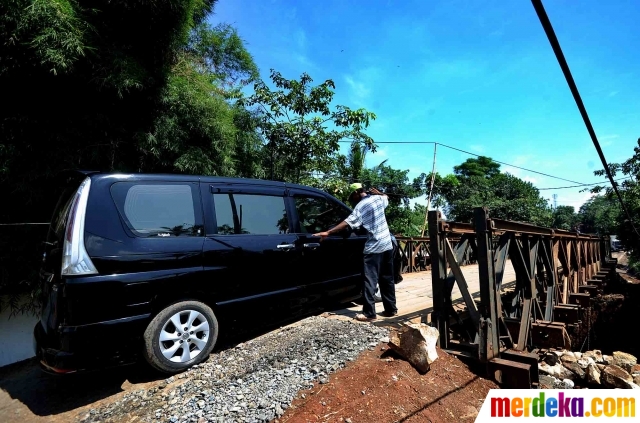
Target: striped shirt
x,y
369,213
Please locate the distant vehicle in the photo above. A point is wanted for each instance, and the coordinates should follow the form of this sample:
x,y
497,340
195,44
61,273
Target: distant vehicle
x,y
156,265
616,245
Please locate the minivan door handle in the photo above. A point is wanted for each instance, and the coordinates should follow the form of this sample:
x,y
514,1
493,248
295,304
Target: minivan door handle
x,y
285,247
312,245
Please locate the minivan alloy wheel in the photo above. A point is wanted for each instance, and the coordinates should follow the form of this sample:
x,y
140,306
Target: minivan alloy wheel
x,y
180,335
184,336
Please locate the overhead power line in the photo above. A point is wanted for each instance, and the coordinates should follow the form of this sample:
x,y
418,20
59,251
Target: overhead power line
x,y
477,155
583,185
555,45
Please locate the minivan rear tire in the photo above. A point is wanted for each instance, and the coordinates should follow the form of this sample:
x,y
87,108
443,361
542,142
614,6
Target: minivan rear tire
x,y
198,332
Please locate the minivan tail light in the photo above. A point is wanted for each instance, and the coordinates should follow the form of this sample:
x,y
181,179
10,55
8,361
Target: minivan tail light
x,y
75,259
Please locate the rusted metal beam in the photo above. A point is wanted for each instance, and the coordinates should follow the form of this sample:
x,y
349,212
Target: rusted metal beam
x,y
511,374
489,335
439,316
582,299
555,272
566,313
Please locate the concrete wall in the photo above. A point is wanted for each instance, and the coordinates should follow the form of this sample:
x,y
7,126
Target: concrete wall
x,y
16,337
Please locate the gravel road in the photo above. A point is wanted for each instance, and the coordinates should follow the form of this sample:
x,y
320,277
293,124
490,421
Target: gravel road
x,y
252,382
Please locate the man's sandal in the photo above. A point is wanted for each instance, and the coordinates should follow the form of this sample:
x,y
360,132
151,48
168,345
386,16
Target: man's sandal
x,y
363,318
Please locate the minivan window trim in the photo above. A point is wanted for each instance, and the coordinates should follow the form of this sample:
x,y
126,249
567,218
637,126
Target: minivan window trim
x,y
271,191
128,227
293,193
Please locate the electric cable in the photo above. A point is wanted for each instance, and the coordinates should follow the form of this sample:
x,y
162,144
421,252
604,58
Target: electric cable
x,y
557,50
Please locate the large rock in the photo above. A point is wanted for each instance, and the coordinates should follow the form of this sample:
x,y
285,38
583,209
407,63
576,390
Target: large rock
x,y
417,344
616,377
558,371
593,374
596,355
564,384
576,369
606,359
551,359
584,362
568,357
624,360
635,370
547,382
636,379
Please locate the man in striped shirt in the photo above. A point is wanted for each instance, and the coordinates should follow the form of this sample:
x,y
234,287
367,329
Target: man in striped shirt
x,y
368,213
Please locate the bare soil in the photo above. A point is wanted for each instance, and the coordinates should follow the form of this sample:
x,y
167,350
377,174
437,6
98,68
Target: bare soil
x,y
381,387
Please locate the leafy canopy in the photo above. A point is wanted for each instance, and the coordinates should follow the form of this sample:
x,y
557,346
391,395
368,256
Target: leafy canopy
x,y
294,121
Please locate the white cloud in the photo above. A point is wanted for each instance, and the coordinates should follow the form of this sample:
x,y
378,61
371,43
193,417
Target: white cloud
x,y
374,159
301,39
575,199
381,153
511,171
362,83
477,148
358,89
530,179
608,139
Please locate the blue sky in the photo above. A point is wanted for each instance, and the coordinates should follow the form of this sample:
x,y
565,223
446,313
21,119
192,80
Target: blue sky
x,y
476,75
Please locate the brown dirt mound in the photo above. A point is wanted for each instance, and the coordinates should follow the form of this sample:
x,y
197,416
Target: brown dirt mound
x,y
381,387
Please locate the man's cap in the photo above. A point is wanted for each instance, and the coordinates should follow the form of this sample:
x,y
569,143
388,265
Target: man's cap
x,y
354,187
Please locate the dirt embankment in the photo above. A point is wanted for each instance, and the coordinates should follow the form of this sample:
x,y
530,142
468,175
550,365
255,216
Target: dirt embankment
x,y
383,388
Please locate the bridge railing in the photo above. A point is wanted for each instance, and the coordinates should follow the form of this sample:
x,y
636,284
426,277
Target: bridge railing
x,y
557,273
416,254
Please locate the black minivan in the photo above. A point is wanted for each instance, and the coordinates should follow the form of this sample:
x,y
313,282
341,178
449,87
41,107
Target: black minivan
x,y
157,264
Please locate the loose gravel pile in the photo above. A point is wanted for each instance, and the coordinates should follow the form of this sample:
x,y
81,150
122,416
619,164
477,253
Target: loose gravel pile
x,y
253,382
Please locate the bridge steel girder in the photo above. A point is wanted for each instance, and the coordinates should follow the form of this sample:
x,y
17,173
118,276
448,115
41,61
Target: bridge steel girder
x,y
554,269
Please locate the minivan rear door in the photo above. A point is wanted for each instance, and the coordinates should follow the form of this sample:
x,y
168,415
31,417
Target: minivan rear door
x,y
52,247
251,256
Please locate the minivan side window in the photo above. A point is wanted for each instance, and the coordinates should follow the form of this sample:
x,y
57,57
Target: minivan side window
x,y
317,214
157,210
250,214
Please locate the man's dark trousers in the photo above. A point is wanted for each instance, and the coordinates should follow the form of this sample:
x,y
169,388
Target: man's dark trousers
x,y
378,270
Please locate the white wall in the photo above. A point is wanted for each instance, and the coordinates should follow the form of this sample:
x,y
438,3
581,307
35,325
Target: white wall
x,y
16,336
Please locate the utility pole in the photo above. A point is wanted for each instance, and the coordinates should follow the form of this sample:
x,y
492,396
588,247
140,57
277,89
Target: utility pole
x,y
433,177
555,201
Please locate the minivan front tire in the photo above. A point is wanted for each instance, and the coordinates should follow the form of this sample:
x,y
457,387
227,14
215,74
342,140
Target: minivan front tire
x,y
180,336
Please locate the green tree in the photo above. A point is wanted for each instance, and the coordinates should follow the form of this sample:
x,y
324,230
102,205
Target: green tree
x,y
630,192
477,183
294,121
356,161
481,166
114,86
600,214
565,217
